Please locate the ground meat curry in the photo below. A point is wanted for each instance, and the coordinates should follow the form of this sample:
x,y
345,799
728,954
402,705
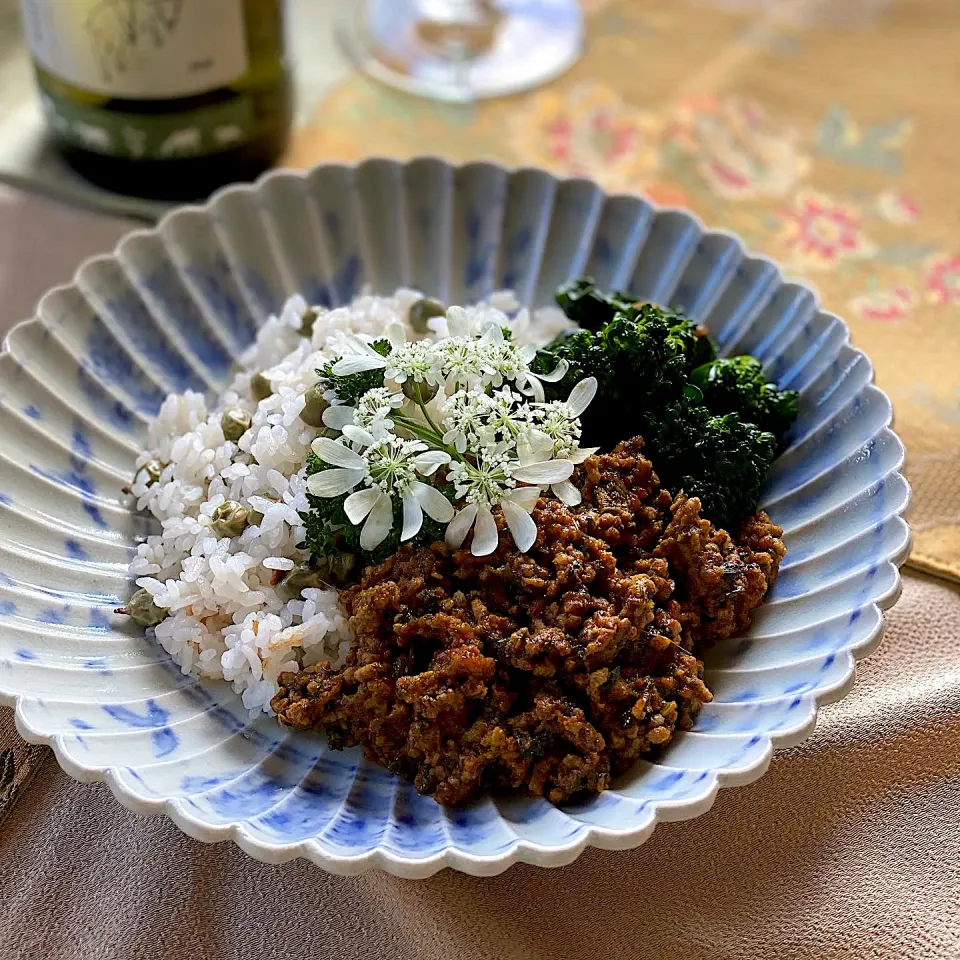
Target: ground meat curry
x,y
550,671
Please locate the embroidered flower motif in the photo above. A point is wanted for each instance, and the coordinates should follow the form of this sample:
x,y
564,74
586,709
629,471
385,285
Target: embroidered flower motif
x,y
943,280
588,131
820,232
738,150
884,305
897,207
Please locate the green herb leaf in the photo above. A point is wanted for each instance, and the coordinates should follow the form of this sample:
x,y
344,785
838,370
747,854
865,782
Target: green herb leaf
x,y
738,385
351,387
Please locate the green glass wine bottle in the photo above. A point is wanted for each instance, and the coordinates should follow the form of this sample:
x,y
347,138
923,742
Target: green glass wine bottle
x,y
166,99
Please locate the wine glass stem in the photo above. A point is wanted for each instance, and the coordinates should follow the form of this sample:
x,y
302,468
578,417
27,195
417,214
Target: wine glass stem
x,y
458,30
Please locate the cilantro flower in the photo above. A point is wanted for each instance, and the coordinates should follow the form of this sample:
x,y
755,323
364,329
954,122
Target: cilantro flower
x,y
560,421
468,402
492,481
372,413
463,420
419,362
387,468
556,433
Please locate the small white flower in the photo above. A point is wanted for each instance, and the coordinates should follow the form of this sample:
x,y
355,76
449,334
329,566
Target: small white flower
x,y
517,504
535,450
493,482
460,360
505,415
555,421
557,434
376,403
371,414
463,420
560,420
419,361
358,357
532,383
503,360
484,482
388,467
350,468
374,409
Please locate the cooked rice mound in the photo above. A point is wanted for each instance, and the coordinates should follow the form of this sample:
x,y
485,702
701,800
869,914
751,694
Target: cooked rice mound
x,y
230,617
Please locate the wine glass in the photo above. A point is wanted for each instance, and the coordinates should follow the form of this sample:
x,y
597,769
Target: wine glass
x,y
462,50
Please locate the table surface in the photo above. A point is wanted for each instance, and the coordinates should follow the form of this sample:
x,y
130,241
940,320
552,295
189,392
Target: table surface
x,y
850,844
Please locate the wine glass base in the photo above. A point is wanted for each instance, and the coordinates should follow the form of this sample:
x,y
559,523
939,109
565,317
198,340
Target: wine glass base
x,y
530,43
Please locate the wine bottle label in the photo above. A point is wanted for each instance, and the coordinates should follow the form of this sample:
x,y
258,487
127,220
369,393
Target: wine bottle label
x,y
139,49
145,136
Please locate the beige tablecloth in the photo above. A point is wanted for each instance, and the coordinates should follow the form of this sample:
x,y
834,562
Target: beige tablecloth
x,y
848,847
822,132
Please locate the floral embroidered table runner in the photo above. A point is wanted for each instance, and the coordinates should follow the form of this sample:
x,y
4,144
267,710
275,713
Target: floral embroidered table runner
x,y
823,133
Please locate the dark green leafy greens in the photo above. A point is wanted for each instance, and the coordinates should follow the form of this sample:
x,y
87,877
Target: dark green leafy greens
x,y
711,427
723,460
589,307
737,385
642,359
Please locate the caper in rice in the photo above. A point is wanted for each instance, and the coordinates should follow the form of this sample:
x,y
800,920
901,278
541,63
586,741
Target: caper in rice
x,y
153,470
422,310
235,422
307,320
230,519
341,568
143,611
303,577
260,387
314,406
419,391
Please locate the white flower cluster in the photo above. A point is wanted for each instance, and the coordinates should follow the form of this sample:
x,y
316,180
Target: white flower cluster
x,y
466,403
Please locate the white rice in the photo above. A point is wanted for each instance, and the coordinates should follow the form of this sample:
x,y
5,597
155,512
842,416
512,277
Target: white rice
x,y
226,620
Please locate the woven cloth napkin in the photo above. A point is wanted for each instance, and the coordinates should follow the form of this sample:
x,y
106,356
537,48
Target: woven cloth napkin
x,y
823,132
